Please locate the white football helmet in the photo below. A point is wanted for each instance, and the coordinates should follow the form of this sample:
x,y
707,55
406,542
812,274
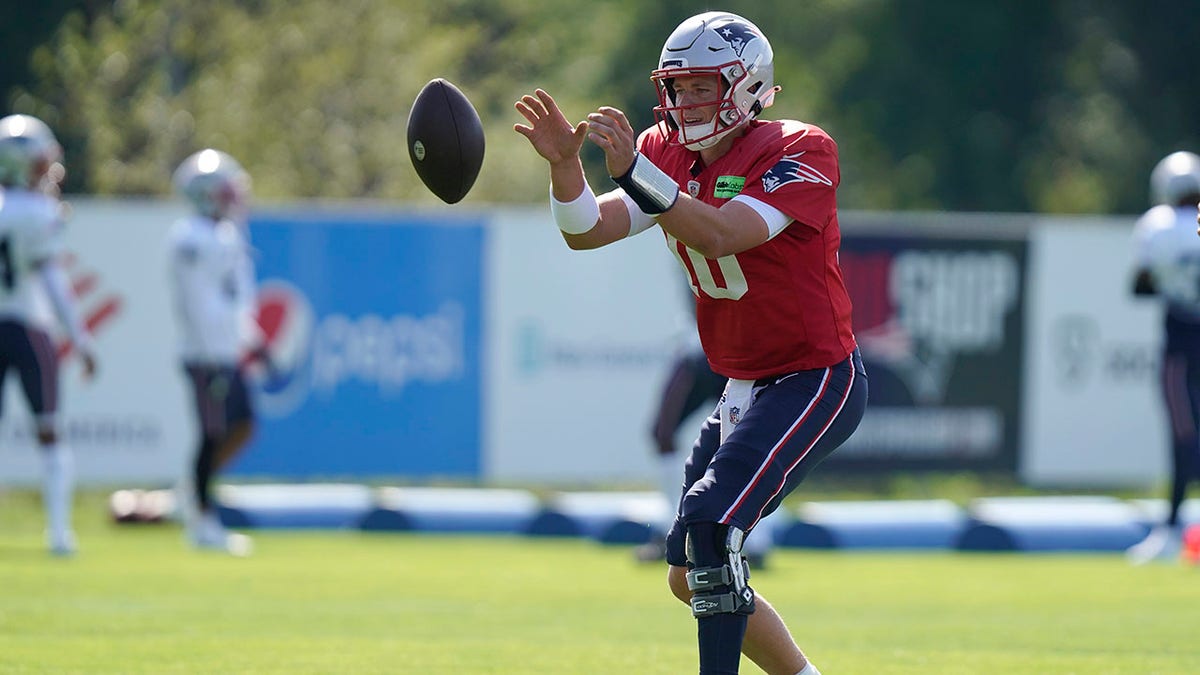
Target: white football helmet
x,y
214,183
1176,177
30,156
722,44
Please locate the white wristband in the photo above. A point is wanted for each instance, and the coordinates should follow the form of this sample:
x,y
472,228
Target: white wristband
x,y
577,216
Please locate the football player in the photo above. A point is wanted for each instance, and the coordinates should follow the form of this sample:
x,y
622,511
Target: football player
x,y
748,207
212,279
31,223
1167,259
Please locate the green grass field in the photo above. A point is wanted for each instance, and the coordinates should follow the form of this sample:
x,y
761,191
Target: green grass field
x,y
137,600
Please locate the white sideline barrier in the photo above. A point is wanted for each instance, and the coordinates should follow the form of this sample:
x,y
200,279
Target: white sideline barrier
x,y
611,517
451,510
901,524
315,505
1052,524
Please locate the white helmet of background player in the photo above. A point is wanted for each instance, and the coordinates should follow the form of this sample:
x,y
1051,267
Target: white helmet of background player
x,y
1176,179
723,44
30,156
214,183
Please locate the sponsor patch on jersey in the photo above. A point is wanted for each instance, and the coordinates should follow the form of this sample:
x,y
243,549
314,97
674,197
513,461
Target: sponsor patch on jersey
x,y
728,187
790,169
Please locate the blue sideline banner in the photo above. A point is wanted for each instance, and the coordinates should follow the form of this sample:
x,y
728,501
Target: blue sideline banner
x,y
375,321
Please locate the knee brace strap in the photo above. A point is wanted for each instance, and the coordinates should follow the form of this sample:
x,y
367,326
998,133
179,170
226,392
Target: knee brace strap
x,y
723,589
709,577
730,602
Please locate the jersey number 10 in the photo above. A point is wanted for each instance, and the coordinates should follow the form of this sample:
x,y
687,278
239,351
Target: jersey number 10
x,y
721,278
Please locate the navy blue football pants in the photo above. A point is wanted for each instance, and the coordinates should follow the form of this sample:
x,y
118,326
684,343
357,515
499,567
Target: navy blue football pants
x,y
31,352
795,422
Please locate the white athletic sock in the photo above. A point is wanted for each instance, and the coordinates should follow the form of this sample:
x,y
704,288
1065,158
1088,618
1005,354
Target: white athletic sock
x,y
810,669
57,491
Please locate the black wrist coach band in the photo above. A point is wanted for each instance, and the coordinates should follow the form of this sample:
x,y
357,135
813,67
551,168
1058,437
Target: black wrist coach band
x,y
652,190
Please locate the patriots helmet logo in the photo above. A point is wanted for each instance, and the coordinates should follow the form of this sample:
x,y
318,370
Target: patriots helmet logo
x,y
790,169
738,35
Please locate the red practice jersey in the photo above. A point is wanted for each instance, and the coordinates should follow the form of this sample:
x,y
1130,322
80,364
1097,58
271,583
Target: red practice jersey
x,y
781,306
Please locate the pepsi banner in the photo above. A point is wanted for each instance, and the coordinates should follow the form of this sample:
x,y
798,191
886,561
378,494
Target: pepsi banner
x,y
375,324
939,321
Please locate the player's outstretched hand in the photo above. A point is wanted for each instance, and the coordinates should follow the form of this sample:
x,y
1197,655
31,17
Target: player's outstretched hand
x,y
548,131
609,128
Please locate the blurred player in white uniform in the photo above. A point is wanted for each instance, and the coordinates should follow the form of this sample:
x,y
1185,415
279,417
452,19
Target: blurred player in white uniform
x,y
212,279
31,222
1168,267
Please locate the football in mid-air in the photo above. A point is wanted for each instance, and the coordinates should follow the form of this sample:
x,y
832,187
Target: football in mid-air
x,y
445,140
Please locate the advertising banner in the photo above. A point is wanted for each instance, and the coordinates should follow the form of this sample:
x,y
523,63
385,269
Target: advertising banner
x,y
939,320
579,346
376,323
1093,410
476,346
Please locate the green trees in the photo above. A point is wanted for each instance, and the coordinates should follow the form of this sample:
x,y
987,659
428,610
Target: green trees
x,y
1058,106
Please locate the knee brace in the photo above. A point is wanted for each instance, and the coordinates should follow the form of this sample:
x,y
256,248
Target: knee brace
x,y
718,574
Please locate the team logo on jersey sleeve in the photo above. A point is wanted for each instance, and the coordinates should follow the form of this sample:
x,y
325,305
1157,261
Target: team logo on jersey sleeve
x,y
791,170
